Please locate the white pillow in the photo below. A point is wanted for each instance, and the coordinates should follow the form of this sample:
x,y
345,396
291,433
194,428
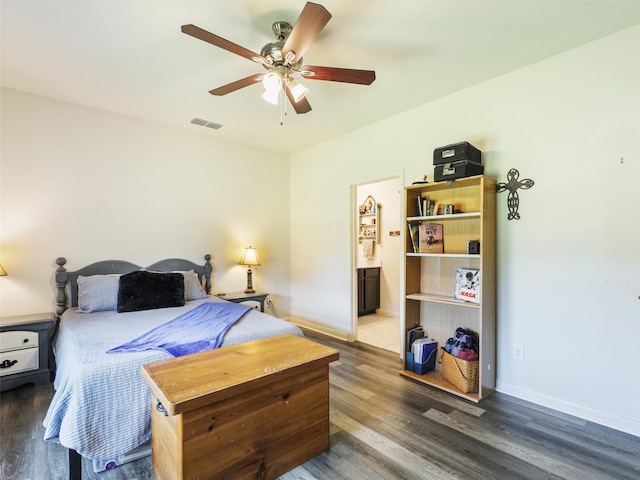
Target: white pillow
x,y
192,287
97,293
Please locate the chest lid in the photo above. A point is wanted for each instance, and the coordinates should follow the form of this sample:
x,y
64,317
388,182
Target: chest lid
x,y
185,383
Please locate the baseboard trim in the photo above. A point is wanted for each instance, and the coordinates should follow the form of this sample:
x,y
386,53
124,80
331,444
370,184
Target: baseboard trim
x,y
388,313
623,424
323,329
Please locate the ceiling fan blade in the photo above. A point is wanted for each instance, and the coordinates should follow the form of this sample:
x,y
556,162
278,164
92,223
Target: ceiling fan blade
x,y
301,106
220,42
237,85
332,74
312,20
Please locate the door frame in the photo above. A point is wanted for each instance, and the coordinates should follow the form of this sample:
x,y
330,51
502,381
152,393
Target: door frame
x,y
353,251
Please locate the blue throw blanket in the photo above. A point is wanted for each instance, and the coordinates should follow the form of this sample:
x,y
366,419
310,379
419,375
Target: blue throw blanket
x,y
202,328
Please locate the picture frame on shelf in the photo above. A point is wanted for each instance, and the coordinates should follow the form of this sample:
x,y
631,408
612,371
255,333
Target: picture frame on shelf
x,y
431,238
468,284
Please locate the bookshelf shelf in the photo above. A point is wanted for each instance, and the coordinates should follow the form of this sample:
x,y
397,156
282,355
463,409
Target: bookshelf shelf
x,y
429,278
435,379
443,255
428,297
455,216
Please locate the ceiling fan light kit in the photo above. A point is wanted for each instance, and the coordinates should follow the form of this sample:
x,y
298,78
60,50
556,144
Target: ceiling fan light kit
x,y
283,58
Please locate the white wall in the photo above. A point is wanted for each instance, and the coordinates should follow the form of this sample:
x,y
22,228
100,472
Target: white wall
x,y
568,283
90,185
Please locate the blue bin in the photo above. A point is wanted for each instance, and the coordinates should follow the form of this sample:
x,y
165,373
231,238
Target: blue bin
x,y
421,368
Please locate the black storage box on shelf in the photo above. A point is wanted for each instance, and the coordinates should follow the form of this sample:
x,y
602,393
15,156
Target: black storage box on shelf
x,y
461,169
456,152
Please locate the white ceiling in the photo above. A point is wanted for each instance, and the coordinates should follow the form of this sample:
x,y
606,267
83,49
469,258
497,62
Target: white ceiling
x,y
130,57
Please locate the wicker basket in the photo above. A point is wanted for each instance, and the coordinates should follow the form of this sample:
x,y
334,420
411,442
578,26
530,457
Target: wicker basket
x,y
462,373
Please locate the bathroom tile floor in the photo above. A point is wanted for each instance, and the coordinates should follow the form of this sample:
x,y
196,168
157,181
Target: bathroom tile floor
x,y
380,331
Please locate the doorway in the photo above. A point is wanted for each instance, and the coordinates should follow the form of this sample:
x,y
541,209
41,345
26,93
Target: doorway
x,y
378,256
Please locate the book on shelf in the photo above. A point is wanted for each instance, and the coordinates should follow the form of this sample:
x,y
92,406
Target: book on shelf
x,y
467,285
414,334
424,207
422,348
431,238
427,207
414,235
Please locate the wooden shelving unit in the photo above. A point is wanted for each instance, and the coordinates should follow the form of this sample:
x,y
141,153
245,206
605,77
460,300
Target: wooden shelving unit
x,y
429,279
369,220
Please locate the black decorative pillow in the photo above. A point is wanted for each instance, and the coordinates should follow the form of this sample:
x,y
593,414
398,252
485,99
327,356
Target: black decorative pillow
x,y
142,290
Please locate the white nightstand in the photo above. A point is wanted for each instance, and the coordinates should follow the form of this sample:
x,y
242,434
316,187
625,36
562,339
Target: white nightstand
x,y
24,350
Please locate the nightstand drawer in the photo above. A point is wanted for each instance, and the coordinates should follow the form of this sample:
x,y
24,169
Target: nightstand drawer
x,y
18,340
18,361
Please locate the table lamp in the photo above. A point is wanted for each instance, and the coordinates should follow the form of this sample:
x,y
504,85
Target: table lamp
x,y
250,258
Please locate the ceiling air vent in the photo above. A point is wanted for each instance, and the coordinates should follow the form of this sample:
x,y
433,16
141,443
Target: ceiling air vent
x,y
206,123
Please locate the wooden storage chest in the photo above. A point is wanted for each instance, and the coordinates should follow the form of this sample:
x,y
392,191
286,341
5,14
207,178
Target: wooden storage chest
x,y
249,411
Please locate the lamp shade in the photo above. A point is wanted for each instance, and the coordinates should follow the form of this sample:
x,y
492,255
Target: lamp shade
x,y
298,90
250,257
272,88
2,272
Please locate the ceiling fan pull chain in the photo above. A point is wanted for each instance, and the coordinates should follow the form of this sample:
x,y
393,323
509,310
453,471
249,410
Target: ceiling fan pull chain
x,y
283,107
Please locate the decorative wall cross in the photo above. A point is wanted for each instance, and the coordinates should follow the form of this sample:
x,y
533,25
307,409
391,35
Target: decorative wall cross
x,y
513,200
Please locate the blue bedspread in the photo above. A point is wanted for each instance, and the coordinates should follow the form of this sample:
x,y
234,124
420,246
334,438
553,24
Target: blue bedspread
x,y
202,328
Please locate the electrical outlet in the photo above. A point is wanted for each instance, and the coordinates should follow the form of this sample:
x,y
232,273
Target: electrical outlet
x,y
518,352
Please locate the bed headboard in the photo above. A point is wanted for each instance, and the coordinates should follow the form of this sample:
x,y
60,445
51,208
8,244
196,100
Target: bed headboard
x,y
68,297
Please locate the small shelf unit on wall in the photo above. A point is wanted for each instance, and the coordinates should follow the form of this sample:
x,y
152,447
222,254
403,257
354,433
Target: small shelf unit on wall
x,y
430,278
369,220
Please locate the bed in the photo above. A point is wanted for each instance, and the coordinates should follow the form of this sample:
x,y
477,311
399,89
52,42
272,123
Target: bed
x,y
101,408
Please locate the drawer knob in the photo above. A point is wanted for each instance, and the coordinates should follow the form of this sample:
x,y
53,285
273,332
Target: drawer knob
x,y
8,363
26,340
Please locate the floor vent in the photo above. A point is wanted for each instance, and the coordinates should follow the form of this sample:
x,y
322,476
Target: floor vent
x,y
206,123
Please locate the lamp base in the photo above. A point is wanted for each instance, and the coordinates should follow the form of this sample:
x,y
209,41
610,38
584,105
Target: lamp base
x,y
249,288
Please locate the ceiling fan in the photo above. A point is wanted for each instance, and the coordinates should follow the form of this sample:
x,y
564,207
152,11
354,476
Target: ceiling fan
x,y
283,58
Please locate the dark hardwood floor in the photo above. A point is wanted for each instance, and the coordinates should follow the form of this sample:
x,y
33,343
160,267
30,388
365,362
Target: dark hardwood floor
x,y
383,426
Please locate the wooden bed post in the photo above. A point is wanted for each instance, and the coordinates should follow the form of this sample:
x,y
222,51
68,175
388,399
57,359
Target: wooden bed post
x,y
61,284
207,274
